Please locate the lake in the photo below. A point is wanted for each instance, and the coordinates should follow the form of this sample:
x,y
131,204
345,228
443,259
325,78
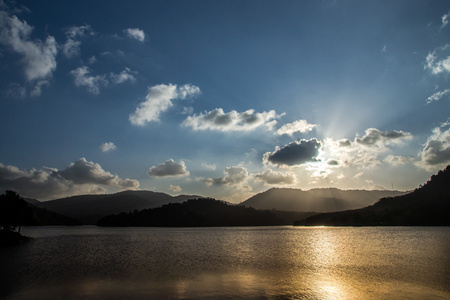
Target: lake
x,y
91,262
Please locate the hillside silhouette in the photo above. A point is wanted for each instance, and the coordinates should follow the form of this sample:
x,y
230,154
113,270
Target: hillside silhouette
x,y
201,213
318,200
89,208
428,205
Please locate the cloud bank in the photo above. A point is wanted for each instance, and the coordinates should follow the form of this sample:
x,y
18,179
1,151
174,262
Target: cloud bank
x,y
79,177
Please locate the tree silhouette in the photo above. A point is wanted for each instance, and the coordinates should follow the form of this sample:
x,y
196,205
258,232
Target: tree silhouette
x,y
14,211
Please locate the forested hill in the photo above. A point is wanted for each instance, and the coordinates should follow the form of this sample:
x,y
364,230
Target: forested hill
x,y
89,208
200,213
428,205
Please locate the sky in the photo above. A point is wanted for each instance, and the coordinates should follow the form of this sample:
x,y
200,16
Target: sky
x,y
223,99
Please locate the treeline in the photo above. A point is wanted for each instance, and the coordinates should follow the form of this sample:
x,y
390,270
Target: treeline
x,y
16,212
428,205
203,212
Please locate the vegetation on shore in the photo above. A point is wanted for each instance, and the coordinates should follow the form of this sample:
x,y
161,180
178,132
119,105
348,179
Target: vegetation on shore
x,y
203,212
428,205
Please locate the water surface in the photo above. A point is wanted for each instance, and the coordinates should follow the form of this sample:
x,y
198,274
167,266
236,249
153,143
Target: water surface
x,y
229,263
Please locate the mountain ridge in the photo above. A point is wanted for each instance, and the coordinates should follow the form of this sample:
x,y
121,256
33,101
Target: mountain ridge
x,y
317,199
427,205
89,208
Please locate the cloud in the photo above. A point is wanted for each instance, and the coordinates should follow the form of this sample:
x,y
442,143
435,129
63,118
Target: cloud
x,y
175,188
135,33
79,177
295,153
445,20
437,96
396,160
363,151
231,121
168,169
83,78
272,177
107,147
38,57
438,65
436,152
233,176
158,100
122,77
71,47
209,166
301,126
373,137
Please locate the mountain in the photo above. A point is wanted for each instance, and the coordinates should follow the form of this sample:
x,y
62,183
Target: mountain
x,y
89,208
428,205
200,213
319,200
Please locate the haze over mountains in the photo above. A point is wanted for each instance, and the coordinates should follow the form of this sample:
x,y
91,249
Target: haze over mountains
x,y
318,200
88,209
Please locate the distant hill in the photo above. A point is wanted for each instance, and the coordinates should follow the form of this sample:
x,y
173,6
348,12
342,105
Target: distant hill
x,y
89,208
428,205
318,200
200,213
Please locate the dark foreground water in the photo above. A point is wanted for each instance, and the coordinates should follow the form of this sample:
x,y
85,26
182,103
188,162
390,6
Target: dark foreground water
x,y
228,263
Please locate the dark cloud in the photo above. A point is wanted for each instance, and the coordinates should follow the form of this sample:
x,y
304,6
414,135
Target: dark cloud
x,y
437,149
169,168
295,153
333,162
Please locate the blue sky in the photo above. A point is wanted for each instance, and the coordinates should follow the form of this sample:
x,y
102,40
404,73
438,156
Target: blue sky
x,y
222,98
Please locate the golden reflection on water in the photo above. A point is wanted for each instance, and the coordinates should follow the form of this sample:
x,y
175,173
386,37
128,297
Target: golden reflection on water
x,y
240,263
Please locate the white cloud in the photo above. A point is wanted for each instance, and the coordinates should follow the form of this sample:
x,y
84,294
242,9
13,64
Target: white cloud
x,y
364,151
71,47
175,188
168,169
83,78
438,65
231,121
38,57
445,20
271,177
135,33
436,152
437,96
301,126
158,100
80,177
233,176
209,166
107,147
122,77
397,160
